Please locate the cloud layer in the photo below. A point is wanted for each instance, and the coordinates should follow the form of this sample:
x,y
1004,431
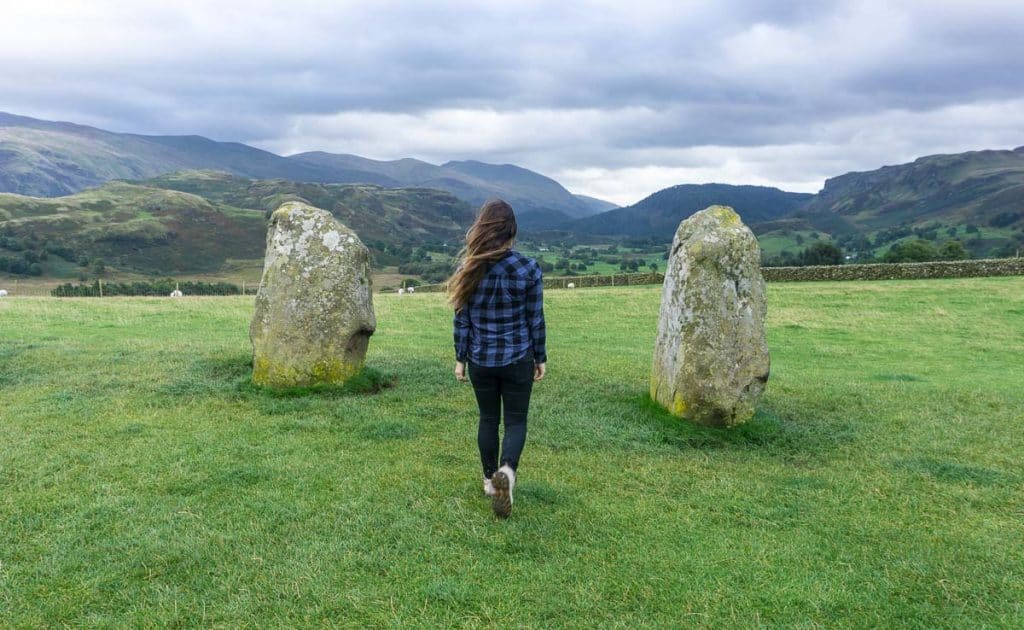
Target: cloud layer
x,y
614,99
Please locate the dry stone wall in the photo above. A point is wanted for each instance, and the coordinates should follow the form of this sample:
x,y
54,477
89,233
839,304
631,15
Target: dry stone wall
x,y
898,271
880,271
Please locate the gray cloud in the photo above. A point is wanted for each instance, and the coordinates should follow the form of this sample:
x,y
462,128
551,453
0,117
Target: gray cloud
x,y
612,97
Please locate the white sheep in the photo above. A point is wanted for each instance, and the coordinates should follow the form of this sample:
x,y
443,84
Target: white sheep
x,y
401,292
176,293
571,285
411,290
3,292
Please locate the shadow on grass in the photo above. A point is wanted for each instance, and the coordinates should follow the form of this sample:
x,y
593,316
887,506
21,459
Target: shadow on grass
x,y
900,378
769,432
229,479
952,472
232,377
13,371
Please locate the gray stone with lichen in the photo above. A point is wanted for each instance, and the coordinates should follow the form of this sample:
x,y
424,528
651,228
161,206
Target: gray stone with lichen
x,y
314,310
711,358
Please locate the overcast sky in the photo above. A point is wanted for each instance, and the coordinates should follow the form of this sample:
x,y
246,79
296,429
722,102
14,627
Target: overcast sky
x,y
615,99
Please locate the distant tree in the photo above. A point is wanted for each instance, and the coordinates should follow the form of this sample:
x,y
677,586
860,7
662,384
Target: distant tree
x,y
653,267
860,244
916,250
951,231
953,250
799,239
822,253
971,228
784,259
562,264
99,267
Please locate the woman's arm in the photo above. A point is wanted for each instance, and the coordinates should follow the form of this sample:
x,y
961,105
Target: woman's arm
x,y
461,326
535,315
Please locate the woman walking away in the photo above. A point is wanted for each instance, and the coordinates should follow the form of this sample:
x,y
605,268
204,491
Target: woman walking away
x,y
498,296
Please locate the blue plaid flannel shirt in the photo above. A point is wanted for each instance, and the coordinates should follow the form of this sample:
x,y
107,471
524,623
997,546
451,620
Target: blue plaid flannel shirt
x,y
504,319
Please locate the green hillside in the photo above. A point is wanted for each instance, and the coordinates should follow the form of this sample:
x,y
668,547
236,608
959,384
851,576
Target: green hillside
x,y
133,227
194,222
393,215
975,197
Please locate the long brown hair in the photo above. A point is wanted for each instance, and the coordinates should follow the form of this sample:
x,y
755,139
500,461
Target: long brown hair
x,y
488,239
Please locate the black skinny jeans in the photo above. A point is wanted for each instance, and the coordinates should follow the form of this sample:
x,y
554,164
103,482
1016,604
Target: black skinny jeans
x,y
511,385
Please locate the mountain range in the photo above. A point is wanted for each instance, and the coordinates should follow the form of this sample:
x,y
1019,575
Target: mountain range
x,y
49,159
661,212
153,202
976,197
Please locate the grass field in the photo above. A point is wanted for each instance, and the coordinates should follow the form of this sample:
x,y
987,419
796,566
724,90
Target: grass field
x,y
774,243
143,482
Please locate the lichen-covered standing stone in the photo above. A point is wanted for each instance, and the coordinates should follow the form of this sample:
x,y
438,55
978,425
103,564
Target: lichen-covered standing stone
x,y
711,357
314,311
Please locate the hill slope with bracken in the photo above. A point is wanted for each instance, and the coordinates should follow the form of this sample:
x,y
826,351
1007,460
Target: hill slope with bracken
x,y
195,221
976,198
973,187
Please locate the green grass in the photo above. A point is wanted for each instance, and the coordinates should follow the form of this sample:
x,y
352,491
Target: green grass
x,y
774,243
599,266
144,482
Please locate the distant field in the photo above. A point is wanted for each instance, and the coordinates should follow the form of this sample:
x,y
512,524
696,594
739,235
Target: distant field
x,y
235,271
599,266
774,243
143,482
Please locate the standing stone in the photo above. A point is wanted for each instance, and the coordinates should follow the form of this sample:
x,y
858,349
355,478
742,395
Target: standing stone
x,y
314,311
711,357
